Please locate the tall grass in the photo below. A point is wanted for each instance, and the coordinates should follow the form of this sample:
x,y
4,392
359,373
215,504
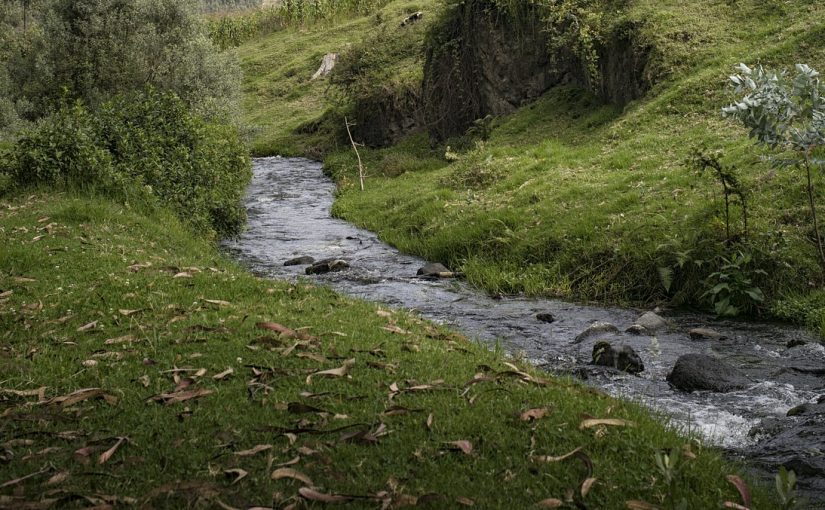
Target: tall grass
x,y
229,29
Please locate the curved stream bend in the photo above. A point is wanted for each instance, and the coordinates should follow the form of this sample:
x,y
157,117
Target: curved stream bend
x,y
289,203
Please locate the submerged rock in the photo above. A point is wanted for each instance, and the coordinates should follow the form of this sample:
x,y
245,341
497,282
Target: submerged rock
x,y
545,317
705,334
694,372
300,261
597,328
624,358
327,265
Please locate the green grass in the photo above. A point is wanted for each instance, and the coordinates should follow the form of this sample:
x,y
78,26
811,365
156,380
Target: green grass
x,y
574,198
95,295
279,95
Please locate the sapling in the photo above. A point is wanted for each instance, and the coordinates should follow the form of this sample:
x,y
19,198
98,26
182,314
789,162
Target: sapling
x,y
787,115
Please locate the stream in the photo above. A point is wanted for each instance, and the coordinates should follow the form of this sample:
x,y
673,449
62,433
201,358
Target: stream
x,y
289,203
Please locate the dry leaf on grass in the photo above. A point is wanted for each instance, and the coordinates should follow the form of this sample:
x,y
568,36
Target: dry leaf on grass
x,y
742,487
223,375
254,450
550,458
291,473
24,478
615,422
735,506
534,414
87,327
464,446
634,504
81,395
333,372
313,495
238,474
550,503
57,478
180,396
105,456
40,393
587,484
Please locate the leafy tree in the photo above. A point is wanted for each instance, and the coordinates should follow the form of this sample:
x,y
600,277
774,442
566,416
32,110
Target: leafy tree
x,y
95,49
787,114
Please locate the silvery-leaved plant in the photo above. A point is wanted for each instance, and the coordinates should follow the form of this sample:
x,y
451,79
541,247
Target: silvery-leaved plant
x,y
787,114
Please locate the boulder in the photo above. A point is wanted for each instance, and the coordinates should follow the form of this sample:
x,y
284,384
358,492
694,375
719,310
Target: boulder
x,y
300,261
597,328
705,334
795,342
651,322
637,330
326,266
694,372
545,317
624,358
433,269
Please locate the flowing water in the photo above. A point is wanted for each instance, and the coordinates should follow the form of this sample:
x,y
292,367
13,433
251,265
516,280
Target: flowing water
x,y
289,204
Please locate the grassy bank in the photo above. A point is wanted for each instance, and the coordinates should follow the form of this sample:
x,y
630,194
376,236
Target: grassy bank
x,y
575,198
140,365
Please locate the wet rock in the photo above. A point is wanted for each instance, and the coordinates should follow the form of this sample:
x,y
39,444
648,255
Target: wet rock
x,y
796,342
808,409
694,372
637,330
769,426
300,261
545,317
651,322
597,328
624,358
705,334
434,269
327,266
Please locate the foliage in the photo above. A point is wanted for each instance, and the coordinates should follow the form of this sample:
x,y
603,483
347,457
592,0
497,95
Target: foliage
x,y
784,114
704,161
148,143
93,50
786,488
731,290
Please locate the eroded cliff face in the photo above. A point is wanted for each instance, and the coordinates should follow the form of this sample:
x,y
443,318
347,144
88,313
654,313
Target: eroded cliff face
x,y
484,61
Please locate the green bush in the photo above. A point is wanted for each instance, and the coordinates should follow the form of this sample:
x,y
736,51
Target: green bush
x,y
147,144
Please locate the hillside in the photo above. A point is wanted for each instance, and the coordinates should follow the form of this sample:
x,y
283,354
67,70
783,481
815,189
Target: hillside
x,y
572,195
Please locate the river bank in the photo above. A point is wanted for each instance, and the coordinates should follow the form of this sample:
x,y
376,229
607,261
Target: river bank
x,y
143,366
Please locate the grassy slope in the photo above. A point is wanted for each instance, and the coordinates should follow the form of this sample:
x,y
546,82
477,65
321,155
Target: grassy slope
x,y
96,296
581,200
279,95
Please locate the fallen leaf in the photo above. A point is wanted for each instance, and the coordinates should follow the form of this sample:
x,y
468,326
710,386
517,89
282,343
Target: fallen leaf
x,y
333,372
254,450
465,446
82,454
40,393
396,330
23,279
217,302
137,267
383,313
586,424
313,495
119,340
181,396
105,456
238,473
58,478
89,363
127,313
278,328
640,505
223,375
465,501
24,478
742,487
534,414
183,274
429,421
587,484
81,395
550,458
735,506
4,295
87,327
550,503
290,462
291,473
144,380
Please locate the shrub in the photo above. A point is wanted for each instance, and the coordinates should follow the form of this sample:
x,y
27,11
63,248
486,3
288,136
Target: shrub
x,y
150,144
